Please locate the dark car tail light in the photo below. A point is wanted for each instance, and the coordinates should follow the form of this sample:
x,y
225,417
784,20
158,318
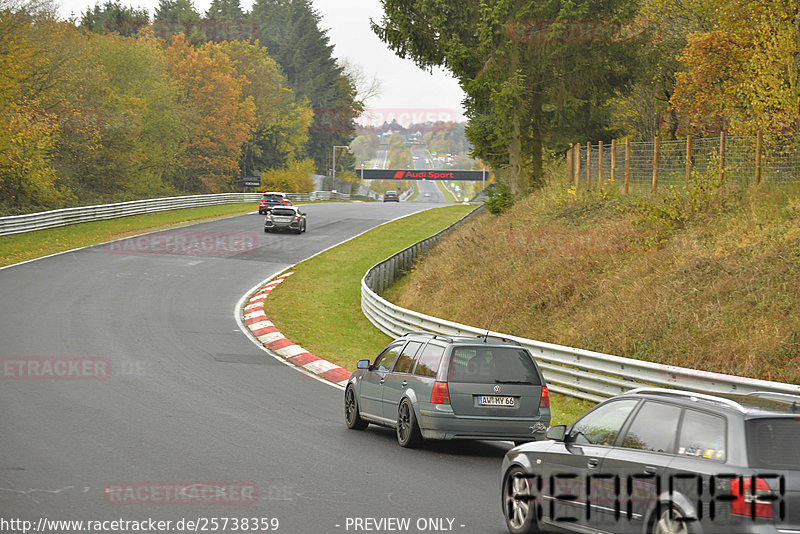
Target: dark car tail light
x,y
545,402
440,393
748,503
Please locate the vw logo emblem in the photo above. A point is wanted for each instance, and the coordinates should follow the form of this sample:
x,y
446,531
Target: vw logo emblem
x,y
497,389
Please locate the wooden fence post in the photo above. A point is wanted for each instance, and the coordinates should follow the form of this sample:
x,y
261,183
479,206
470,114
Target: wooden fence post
x,y
688,160
577,167
627,162
759,139
722,157
655,165
589,164
613,160
599,163
570,163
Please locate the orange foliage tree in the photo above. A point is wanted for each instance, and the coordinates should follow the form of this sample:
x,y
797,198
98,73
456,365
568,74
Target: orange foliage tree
x,y
221,118
742,75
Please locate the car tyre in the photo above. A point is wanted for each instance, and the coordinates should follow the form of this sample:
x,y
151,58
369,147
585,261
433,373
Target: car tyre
x,y
670,520
351,414
304,226
521,515
408,433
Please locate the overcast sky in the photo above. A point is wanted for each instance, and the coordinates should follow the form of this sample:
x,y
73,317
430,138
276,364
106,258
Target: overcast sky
x,y
408,93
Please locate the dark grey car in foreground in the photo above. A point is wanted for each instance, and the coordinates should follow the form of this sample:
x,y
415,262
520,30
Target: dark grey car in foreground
x,y
662,461
285,218
430,386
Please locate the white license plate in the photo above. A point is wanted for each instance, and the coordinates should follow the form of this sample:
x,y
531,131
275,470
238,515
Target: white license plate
x,y
492,400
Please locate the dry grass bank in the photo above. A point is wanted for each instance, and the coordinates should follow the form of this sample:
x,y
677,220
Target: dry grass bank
x,y
706,278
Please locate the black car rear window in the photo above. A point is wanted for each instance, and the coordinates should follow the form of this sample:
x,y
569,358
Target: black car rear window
x,y
504,365
772,443
283,212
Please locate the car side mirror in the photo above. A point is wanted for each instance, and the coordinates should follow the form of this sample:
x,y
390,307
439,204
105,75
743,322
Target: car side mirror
x,y
556,433
362,364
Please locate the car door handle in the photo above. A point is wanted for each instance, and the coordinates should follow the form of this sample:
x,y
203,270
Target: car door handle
x,y
650,470
592,463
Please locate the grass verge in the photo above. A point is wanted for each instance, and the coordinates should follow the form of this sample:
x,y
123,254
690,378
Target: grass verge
x,y
319,307
448,195
29,245
703,277
415,194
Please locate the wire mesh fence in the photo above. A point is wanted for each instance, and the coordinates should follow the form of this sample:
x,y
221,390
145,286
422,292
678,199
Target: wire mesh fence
x,y
639,167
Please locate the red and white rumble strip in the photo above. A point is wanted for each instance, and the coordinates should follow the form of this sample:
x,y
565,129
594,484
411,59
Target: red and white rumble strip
x,y
269,336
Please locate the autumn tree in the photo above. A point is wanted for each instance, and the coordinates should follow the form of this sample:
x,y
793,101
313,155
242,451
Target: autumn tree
x,y
222,118
280,131
50,88
744,73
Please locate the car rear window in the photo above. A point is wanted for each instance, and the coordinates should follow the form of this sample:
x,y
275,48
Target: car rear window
x,y
702,435
406,359
505,365
428,363
273,197
772,443
283,212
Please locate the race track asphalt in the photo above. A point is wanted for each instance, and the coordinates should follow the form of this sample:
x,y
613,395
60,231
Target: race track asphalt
x,y
191,400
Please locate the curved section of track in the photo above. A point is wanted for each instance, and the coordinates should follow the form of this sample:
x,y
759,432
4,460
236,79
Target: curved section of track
x,y
191,400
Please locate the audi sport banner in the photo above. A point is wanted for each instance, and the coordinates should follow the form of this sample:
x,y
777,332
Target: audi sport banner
x,y
438,174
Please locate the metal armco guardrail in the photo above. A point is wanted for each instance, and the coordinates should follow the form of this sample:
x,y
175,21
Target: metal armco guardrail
x,y
17,224
575,372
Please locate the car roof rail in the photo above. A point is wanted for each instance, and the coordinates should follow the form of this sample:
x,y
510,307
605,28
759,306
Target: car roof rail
x,y
426,333
486,337
691,395
788,398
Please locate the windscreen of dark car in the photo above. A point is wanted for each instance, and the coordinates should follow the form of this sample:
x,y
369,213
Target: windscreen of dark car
x,y
772,443
272,197
505,365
